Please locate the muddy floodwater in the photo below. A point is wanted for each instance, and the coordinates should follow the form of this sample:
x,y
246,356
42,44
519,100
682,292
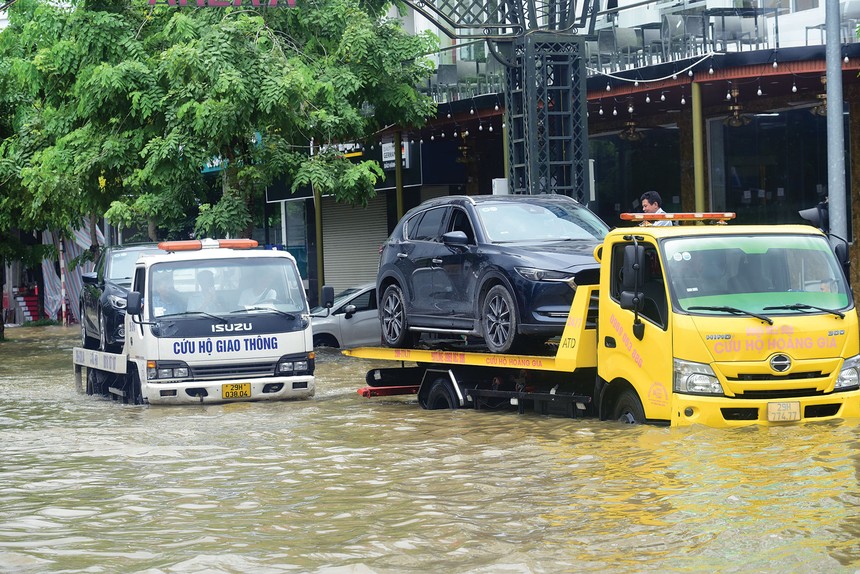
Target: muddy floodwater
x,y
344,484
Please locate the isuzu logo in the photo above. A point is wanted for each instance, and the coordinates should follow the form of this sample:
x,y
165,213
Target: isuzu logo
x,y
232,327
780,363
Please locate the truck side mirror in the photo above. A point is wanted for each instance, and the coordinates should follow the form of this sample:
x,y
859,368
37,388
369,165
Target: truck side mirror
x,y
327,296
134,303
840,248
631,267
632,301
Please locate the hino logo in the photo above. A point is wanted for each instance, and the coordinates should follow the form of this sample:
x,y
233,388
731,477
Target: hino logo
x,y
232,327
780,363
717,337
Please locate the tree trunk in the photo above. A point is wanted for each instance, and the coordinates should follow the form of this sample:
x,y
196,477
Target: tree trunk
x,y
2,290
94,236
151,230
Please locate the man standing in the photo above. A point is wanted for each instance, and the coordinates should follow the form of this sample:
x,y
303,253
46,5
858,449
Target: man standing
x,y
653,203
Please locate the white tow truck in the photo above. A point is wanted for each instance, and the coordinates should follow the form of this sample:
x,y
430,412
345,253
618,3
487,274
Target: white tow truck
x,y
209,321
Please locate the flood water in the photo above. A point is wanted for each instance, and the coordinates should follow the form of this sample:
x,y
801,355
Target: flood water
x,y
344,484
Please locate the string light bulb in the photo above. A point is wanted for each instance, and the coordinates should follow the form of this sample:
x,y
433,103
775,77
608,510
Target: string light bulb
x,y
683,100
490,128
662,97
690,72
647,98
758,92
793,88
711,69
614,111
608,87
775,65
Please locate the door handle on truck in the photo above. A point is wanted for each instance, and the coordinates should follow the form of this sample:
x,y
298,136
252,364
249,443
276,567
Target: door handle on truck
x,y
609,342
402,255
436,261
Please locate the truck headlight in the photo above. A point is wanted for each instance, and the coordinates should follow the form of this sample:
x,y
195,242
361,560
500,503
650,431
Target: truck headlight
x,y
695,379
849,376
162,370
296,365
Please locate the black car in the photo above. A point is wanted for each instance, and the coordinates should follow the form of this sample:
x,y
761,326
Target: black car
x,y
499,267
103,295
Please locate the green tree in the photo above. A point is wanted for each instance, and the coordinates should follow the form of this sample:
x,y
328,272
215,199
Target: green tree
x,y
120,104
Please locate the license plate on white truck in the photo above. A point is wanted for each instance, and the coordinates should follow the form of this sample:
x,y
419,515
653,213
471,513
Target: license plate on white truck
x,y
236,391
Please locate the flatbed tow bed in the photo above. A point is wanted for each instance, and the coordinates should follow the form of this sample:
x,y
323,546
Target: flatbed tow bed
x,y
472,379
561,384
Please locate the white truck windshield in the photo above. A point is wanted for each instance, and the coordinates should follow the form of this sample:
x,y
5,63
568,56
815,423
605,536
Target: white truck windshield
x,y
226,286
772,273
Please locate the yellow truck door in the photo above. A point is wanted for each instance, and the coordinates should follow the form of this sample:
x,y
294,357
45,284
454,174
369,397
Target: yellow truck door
x,y
635,331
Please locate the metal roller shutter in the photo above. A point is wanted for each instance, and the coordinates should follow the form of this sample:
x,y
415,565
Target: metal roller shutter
x,y
351,240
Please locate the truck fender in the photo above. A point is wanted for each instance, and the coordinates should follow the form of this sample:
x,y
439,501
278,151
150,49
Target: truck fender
x,y
600,388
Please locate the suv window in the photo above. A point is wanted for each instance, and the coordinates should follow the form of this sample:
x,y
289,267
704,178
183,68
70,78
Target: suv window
x,y
460,222
428,226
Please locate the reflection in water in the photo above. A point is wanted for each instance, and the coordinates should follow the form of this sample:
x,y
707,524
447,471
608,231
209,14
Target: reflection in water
x,y
378,485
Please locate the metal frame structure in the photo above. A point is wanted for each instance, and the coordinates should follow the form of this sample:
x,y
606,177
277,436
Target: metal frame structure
x,y
541,45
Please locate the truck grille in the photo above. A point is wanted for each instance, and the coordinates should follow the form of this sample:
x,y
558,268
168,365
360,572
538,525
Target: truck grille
x,y
238,371
772,377
779,394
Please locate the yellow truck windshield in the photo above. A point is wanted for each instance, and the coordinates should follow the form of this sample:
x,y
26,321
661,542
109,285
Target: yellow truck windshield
x,y
772,273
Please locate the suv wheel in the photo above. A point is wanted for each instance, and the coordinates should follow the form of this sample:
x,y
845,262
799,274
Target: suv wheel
x,y
87,342
499,320
395,328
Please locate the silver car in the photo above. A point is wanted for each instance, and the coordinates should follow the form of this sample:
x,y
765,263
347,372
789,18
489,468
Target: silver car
x,y
352,322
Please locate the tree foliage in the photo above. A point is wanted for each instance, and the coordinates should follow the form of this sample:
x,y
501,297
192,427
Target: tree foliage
x,y
114,107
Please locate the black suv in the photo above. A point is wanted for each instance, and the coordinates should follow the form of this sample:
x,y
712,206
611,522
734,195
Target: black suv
x,y
499,267
103,295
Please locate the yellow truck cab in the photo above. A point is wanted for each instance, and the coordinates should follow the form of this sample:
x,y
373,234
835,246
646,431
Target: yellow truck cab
x,y
725,325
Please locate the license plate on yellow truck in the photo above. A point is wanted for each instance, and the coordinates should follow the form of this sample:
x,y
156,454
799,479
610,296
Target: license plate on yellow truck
x,y
236,391
783,411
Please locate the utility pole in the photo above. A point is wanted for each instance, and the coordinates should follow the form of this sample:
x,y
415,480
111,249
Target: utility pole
x,y
835,122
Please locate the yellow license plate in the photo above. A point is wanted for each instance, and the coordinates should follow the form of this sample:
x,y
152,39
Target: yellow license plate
x,y
236,391
783,412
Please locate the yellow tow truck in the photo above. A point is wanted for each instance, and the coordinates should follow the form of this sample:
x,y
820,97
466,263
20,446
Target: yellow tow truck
x,y
715,324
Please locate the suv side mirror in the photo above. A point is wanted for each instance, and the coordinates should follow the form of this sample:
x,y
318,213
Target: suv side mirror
x,y
457,238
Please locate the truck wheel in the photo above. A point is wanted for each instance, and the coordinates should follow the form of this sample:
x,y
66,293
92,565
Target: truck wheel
x,y
134,394
441,396
628,408
499,320
395,327
91,381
